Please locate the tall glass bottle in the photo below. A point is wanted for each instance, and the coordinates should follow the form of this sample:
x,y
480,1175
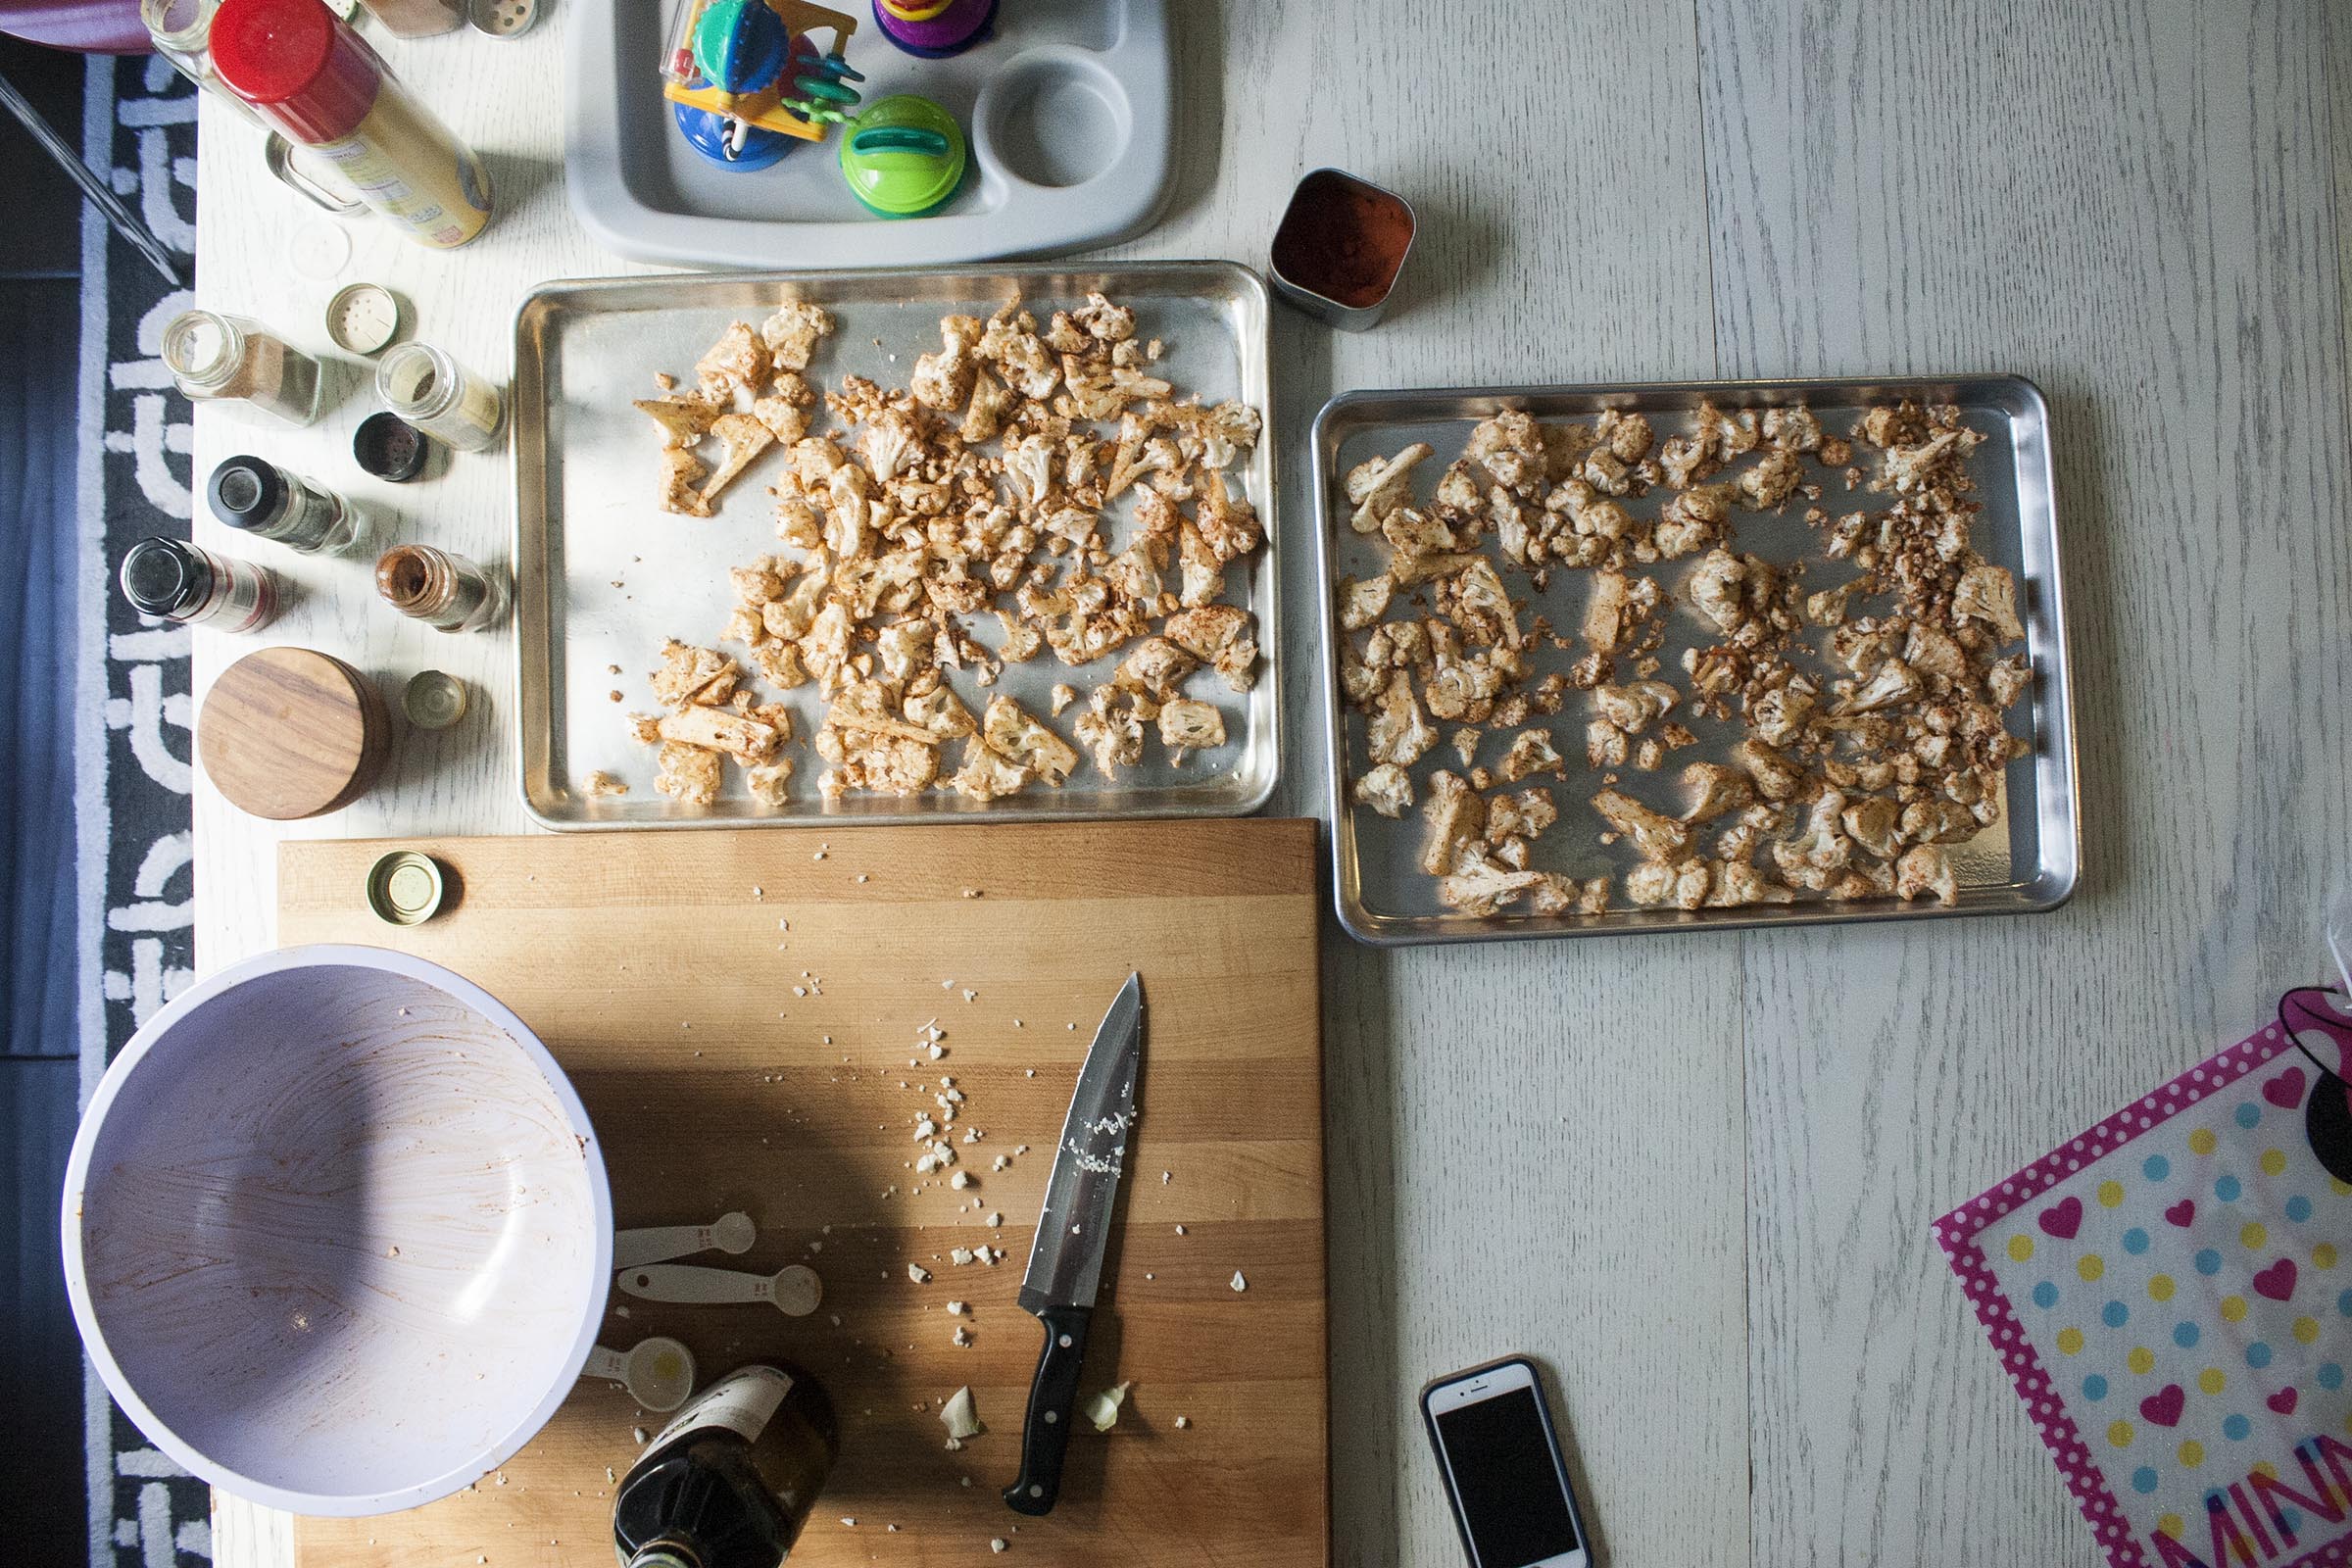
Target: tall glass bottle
x,y
731,1480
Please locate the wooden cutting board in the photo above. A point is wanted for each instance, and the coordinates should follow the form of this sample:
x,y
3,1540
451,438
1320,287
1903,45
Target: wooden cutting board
x,y
742,1015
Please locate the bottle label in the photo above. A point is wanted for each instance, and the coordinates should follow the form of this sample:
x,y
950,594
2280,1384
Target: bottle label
x,y
742,1402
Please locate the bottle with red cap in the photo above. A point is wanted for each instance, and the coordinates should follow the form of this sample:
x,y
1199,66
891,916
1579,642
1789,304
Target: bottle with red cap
x,y
317,80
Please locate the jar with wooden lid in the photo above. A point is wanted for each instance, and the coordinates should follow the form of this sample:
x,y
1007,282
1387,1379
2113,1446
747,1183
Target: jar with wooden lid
x,y
215,356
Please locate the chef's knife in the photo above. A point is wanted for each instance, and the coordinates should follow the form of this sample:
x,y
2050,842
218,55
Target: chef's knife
x,y
1065,1261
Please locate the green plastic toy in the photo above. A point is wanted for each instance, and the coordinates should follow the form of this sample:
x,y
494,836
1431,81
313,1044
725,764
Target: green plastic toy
x,y
903,156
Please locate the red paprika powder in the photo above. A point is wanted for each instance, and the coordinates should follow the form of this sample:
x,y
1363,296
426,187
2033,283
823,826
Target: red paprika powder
x,y
1343,239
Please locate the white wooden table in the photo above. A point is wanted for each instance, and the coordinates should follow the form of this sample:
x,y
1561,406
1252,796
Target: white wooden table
x,y
1693,1173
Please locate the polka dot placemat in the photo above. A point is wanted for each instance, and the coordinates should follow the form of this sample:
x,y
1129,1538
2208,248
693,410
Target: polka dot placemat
x,y
2172,1296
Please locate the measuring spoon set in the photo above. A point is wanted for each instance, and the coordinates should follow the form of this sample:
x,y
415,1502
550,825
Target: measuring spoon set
x,y
659,1371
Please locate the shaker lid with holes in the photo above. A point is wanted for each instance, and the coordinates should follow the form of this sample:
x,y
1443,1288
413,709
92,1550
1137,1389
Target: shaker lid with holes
x,y
503,19
363,319
388,447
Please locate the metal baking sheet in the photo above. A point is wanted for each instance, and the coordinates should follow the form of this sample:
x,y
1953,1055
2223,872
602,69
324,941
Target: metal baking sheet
x,y
2025,862
602,575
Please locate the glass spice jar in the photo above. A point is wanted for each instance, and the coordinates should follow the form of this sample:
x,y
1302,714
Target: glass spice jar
x,y
269,502
177,581
183,32
441,397
416,18
215,356
441,588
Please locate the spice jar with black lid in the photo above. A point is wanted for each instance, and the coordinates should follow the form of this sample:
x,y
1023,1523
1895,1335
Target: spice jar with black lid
x,y
262,498
177,581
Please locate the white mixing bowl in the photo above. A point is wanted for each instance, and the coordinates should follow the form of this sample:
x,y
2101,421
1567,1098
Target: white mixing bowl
x,y
336,1231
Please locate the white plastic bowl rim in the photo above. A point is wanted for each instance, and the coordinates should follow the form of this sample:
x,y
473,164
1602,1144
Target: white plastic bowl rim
x,y
320,955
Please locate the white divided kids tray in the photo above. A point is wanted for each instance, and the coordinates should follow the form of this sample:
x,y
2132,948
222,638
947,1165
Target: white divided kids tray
x,y
1068,110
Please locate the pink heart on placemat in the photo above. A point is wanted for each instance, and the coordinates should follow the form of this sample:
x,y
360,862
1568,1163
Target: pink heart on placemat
x,y
2287,1090
2183,1213
2062,1220
2283,1401
2277,1282
2164,1405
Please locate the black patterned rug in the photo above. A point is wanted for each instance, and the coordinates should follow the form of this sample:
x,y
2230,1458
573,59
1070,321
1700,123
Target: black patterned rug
x,y
131,753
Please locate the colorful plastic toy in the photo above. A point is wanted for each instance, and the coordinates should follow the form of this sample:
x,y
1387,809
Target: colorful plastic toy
x,y
747,78
935,29
904,157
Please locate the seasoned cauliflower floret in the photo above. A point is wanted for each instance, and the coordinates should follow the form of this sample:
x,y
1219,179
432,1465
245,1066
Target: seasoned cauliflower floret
x,y
1455,815
1186,725
1387,789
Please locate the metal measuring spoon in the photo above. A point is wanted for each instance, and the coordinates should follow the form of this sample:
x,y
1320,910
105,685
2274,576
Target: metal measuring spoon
x,y
658,1371
732,1233
793,1289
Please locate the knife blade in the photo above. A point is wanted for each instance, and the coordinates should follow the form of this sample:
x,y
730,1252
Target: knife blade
x,y
1073,1230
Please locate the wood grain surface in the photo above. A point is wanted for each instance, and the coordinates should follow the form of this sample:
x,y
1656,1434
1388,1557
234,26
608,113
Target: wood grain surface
x,y
665,973
1691,1175
289,732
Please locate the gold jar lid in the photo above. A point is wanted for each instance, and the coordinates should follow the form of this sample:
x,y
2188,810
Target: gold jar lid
x,y
405,888
433,699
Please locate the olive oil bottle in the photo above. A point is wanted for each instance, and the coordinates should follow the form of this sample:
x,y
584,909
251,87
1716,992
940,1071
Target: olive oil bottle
x,y
731,1480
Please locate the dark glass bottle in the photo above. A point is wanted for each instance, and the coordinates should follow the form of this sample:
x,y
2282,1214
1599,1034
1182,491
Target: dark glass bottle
x,y
731,1480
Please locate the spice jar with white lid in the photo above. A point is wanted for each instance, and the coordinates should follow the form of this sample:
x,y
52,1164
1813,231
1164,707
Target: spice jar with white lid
x,y
213,356
441,397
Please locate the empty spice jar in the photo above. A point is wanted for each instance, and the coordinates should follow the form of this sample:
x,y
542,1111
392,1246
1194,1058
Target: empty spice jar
x,y
269,502
441,397
441,588
177,581
416,18
218,357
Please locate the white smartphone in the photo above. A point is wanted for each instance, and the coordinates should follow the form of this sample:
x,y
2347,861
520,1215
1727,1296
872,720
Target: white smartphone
x,y
1502,1468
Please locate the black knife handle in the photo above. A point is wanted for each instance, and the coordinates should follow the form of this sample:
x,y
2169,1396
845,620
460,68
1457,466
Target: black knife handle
x,y
1053,1399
